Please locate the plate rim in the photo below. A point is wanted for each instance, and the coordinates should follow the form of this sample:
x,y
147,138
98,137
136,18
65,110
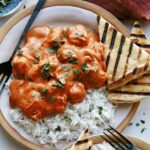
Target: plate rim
x,y
143,145
50,3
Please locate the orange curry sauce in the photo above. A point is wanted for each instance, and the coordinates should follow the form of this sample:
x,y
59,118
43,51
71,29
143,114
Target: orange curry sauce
x,y
54,67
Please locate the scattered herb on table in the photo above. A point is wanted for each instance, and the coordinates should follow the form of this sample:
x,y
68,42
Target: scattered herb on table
x,y
143,130
130,124
137,124
142,121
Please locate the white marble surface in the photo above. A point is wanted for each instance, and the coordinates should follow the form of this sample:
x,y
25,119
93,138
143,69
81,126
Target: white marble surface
x,y
143,112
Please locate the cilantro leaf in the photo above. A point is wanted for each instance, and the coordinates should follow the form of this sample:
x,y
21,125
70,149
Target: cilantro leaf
x,y
58,128
58,84
20,52
55,47
73,60
77,72
51,99
100,109
84,66
43,92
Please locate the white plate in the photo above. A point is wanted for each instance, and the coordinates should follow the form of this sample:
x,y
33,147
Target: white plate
x,y
52,16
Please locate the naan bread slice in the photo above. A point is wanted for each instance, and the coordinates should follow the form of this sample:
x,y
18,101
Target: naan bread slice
x,y
138,36
138,89
83,143
125,61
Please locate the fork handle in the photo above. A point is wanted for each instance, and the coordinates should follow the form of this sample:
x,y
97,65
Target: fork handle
x,y
28,25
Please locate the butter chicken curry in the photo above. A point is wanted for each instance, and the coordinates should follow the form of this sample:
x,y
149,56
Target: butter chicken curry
x,y
54,67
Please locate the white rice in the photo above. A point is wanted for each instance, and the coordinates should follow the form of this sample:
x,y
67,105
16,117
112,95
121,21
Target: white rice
x,y
95,113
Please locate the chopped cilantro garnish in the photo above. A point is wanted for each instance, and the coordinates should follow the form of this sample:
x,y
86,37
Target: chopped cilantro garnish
x,y
36,62
58,128
84,66
68,119
58,84
20,52
51,99
64,68
43,92
77,72
46,68
73,60
51,50
30,79
69,54
100,109
48,130
55,47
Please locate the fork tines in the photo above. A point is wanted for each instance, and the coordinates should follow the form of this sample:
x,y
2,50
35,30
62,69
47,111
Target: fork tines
x,y
117,140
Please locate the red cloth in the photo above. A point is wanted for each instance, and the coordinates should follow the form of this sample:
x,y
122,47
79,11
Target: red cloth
x,y
126,9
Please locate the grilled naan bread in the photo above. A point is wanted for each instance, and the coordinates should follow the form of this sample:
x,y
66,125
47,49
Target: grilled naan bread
x,y
125,61
138,36
137,89
83,143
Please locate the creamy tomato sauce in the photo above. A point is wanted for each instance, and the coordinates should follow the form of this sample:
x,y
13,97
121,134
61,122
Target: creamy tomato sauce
x,y
54,67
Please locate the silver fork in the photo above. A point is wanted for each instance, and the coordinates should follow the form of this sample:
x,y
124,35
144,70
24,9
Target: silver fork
x,y
117,140
6,67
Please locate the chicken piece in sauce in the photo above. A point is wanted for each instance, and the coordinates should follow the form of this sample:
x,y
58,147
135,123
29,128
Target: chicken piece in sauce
x,y
54,67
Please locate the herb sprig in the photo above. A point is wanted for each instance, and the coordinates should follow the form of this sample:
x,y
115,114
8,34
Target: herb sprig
x,y
55,47
58,84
